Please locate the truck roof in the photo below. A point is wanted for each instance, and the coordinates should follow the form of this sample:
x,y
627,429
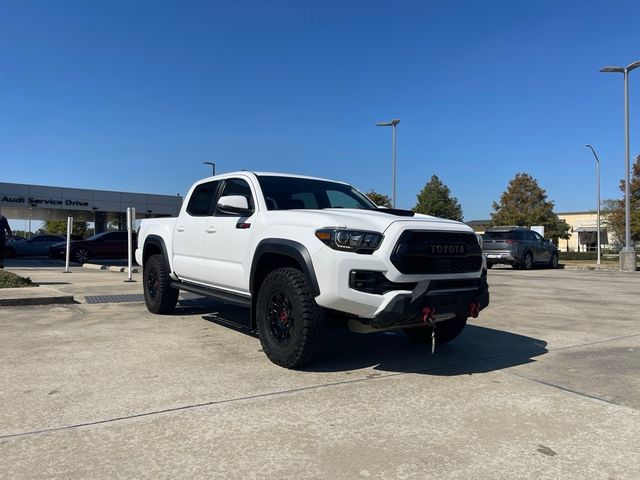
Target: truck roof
x,y
281,174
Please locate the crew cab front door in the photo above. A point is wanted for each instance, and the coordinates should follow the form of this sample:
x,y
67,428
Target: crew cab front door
x,y
227,240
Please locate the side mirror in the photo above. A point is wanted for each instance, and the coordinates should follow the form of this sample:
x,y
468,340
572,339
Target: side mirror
x,y
234,205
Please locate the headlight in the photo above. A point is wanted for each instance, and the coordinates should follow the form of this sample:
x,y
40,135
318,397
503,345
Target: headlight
x,y
350,240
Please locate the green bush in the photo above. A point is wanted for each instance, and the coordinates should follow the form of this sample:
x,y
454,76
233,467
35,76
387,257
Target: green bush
x,y
11,280
585,256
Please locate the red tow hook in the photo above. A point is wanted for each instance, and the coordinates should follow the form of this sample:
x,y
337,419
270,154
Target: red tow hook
x,y
474,309
427,313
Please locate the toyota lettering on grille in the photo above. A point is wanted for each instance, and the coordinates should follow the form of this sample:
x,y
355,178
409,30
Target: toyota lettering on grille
x,y
439,249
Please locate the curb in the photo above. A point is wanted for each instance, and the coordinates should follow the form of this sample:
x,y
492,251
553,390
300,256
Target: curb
x,y
11,297
96,266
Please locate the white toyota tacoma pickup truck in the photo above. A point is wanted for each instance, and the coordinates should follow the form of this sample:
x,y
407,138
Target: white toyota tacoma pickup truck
x,y
301,251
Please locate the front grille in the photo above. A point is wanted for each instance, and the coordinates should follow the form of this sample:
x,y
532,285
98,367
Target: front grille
x,y
423,252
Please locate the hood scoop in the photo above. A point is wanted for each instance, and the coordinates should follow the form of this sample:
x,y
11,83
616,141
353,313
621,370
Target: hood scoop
x,y
395,211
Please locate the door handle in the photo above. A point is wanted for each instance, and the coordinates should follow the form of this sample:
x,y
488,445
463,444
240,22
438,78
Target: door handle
x,y
180,228
211,230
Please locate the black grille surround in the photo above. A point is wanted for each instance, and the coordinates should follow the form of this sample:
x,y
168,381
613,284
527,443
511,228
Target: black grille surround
x,y
427,252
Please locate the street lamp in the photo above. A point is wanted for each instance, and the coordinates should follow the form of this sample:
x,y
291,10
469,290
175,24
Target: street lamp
x,y
628,260
598,189
213,167
393,123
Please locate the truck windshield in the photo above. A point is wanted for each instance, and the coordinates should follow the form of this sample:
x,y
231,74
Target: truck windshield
x,y
286,193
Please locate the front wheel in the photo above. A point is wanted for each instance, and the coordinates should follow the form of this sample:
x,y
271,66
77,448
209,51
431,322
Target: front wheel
x,y
445,331
553,263
158,294
291,326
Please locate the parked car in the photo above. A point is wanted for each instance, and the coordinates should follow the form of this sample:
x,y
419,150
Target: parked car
x,y
103,245
38,245
518,247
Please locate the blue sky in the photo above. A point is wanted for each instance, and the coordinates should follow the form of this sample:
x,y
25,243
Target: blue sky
x,y
135,95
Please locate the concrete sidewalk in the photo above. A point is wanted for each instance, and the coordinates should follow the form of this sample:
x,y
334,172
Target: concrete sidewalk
x,y
55,286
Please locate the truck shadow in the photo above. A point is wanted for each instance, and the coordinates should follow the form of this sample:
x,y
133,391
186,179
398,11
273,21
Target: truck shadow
x,y
477,350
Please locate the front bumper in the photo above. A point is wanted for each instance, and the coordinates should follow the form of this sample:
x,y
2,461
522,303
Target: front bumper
x,y
407,309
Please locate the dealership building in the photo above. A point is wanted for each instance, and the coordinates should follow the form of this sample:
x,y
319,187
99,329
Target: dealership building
x,y
100,207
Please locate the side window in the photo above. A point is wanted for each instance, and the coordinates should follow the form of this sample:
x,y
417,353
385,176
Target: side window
x,y
202,198
237,186
537,237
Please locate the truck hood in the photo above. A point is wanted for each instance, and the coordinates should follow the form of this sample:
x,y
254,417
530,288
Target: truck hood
x,y
360,219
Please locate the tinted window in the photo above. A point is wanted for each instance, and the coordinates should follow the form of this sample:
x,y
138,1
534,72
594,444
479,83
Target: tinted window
x,y
202,198
341,200
537,237
506,235
284,193
237,186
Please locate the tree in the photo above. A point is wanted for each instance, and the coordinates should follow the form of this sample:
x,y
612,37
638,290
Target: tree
x,y
59,227
614,210
525,204
435,199
379,199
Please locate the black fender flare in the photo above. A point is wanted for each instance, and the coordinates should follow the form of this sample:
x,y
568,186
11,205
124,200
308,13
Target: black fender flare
x,y
289,248
158,241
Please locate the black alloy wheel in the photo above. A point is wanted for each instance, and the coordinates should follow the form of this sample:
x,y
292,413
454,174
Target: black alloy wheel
x,y
291,326
527,261
81,255
281,317
554,262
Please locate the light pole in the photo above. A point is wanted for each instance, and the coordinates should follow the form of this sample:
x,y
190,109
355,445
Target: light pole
x,y
598,189
393,123
213,167
628,262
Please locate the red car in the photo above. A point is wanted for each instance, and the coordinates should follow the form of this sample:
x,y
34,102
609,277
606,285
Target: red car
x,y
103,245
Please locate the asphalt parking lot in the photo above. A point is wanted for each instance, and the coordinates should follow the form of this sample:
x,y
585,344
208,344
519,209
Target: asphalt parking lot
x,y
544,384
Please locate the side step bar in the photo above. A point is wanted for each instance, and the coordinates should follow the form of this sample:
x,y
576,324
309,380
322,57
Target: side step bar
x,y
221,295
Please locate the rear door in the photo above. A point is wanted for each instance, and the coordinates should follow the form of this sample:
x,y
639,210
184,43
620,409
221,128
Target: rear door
x,y
496,241
543,248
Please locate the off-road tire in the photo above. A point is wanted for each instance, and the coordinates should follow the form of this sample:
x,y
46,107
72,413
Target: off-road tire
x,y
445,331
158,294
553,262
527,261
291,326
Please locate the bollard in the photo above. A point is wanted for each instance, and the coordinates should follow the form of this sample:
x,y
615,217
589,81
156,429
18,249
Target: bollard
x,y
131,218
67,253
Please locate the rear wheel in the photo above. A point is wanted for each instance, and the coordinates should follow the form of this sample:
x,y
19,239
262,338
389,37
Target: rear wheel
x,y
527,261
445,331
158,294
291,326
81,255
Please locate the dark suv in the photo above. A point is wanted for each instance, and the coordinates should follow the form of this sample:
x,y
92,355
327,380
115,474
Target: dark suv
x,y
518,247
